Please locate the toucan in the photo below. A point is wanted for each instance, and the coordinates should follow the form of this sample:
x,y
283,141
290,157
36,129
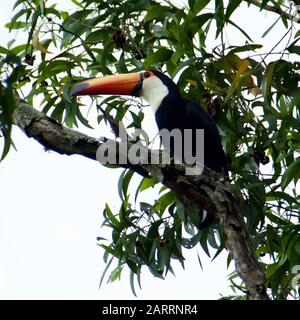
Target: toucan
x,y
171,110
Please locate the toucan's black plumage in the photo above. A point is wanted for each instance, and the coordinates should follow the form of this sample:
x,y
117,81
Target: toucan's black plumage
x,y
177,112
172,111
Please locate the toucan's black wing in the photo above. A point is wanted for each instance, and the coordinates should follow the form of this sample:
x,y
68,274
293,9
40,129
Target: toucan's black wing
x,y
187,114
214,156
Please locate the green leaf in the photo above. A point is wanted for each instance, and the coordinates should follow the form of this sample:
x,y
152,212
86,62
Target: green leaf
x,y
69,118
145,184
105,270
148,183
122,68
153,230
212,240
4,50
276,195
123,183
248,47
275,219
132,265
203,241
297,247
18,49
202,19
271,27
77,3
74,27
165,200
267,81
36,15
131,276
155,11
191,4
292,172
293,49
219,15
146,207
81,118
115,274
240,29
199,260
197,5
7,107
15,18
110,216
49,11
97,36
7,144
161,55
271,269
16,25
42,7
179,53
181,212
58,111
163,257
17,3
109,249
141,5
232,5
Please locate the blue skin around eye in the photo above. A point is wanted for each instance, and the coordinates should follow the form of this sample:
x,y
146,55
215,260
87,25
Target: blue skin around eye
x,y
79,87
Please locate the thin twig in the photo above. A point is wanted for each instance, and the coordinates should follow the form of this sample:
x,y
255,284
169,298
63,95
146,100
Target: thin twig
x,y
274,9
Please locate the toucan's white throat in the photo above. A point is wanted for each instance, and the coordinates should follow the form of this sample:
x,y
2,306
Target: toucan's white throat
x,y
154,91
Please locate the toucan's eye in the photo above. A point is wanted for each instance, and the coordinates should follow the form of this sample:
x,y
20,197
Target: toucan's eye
x,y
147,74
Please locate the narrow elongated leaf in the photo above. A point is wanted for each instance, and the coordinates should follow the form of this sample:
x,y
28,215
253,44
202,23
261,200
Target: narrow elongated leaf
x,y
155,11
219,15
199,5
267,81
16,25
105,270
248,47
232,5
161,55
17,3
292,173
125,182
202,19
36,15
42,7
153,230
97,36
294,49
165,200
110,216
241,30
271,27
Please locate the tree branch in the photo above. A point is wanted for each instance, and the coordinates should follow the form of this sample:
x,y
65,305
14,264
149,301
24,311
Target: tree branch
x,y
206,191
274,9
54,136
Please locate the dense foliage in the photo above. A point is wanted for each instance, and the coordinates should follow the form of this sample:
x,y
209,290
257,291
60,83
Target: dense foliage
x,y
253,96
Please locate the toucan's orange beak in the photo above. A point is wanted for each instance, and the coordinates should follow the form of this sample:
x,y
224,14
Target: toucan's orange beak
x,y
123,84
